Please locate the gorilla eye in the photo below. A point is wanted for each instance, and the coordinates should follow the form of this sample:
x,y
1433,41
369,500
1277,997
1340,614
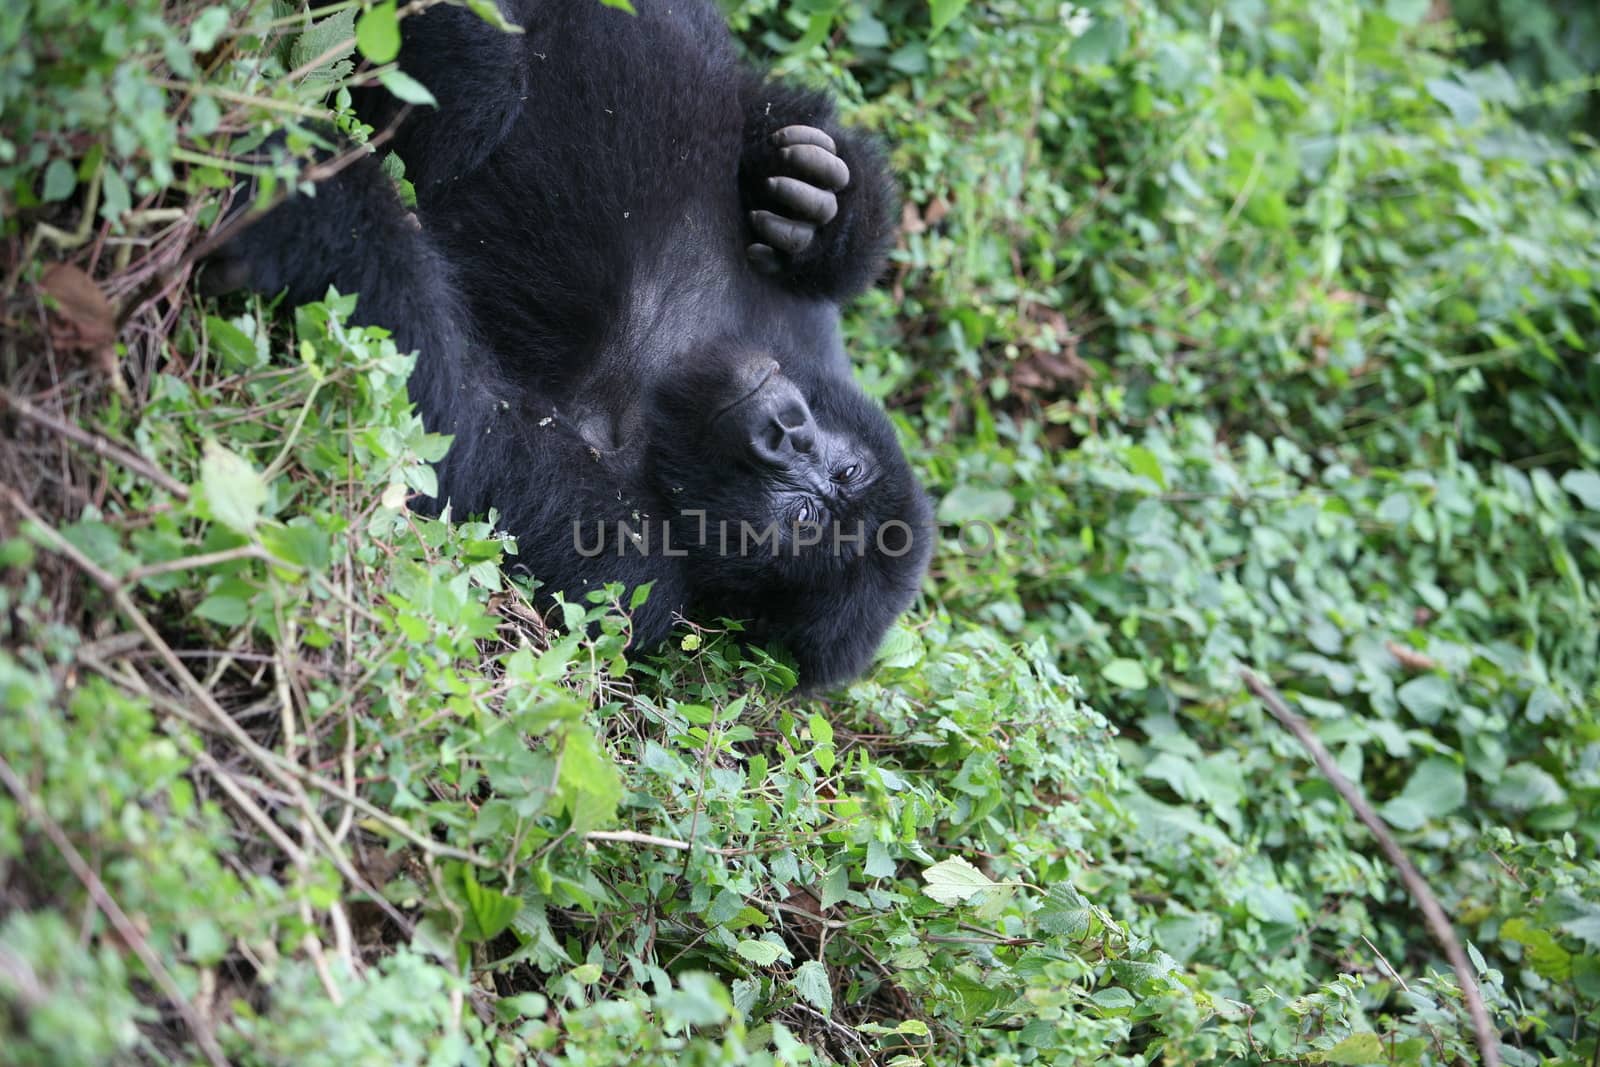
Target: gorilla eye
x,y
848,474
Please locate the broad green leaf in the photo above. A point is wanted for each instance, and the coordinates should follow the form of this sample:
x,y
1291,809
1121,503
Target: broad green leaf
x,y
488,911
1144,462
944,12
59,180
821,730
954,881
967,503
207,28
407,88
761,953
1365,1047
1113,1000
811,982
588,789
378,32
1425,697
1585,485
1436,788
233,488
1125,674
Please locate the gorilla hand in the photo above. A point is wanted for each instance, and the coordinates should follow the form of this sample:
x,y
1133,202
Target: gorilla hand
x,y
799,198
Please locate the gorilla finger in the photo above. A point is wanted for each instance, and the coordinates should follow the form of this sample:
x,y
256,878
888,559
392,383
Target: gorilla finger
x,y
795,135
763,259
816,165
803,201
786,235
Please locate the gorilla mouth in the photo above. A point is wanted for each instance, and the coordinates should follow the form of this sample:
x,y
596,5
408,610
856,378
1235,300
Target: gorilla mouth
x,y
772,372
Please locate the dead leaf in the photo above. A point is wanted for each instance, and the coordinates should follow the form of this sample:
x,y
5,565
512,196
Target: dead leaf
x,y
1410,658
83,318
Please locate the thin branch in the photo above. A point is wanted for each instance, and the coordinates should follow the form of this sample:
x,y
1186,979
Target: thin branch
x,y
292,776
1433,914
100,446
125,928
633,838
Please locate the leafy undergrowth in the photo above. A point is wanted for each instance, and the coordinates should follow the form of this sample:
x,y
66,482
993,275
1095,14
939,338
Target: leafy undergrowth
x,y
1264,335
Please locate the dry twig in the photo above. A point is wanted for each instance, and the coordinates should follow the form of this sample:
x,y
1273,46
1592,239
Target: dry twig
x,y
1433,915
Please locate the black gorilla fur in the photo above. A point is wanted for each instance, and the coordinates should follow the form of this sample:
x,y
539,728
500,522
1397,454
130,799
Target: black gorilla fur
x,y
625,289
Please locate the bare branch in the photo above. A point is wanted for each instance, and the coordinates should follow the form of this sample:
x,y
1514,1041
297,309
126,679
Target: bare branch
x,y
1433,914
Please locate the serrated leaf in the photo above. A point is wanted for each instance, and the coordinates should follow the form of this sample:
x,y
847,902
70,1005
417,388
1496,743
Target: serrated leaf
x,y
760,953
488,911
378,32
811,982
954,881
233,488
588,788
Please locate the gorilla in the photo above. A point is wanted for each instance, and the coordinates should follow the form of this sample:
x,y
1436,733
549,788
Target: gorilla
x,y
624,277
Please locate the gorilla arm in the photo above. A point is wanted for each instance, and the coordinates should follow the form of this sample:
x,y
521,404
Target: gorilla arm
x,y
511,451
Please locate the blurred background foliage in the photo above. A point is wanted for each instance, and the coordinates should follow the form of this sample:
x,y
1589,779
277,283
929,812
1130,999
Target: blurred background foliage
x,y
1259,332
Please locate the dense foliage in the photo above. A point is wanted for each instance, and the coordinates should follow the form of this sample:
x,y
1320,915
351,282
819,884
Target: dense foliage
x,y
1246,333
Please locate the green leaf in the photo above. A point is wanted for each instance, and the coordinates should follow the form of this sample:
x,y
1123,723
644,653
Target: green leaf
x,y
233,489
1125,674
1585,485
620,5
1101,43
811,982
490,12
967,503
488,911
407,88
1113,1000
944,12
761,953
1364,1047
1436,788
378,32
1143,462
59,180
821,730
954,881
588,788
223,610
1425,697
207,29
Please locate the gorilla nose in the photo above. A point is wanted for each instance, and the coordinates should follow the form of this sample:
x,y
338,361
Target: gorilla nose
x,y
788,433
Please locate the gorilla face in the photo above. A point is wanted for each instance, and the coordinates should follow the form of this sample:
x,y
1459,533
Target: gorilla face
x,y
785,484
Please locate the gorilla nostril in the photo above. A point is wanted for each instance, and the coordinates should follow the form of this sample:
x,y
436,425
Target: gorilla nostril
x,y
793,417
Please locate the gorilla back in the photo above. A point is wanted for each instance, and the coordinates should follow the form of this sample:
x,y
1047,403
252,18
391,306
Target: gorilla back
x,y
626,291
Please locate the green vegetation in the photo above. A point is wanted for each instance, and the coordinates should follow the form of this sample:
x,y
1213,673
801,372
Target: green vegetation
x,y
1265,333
